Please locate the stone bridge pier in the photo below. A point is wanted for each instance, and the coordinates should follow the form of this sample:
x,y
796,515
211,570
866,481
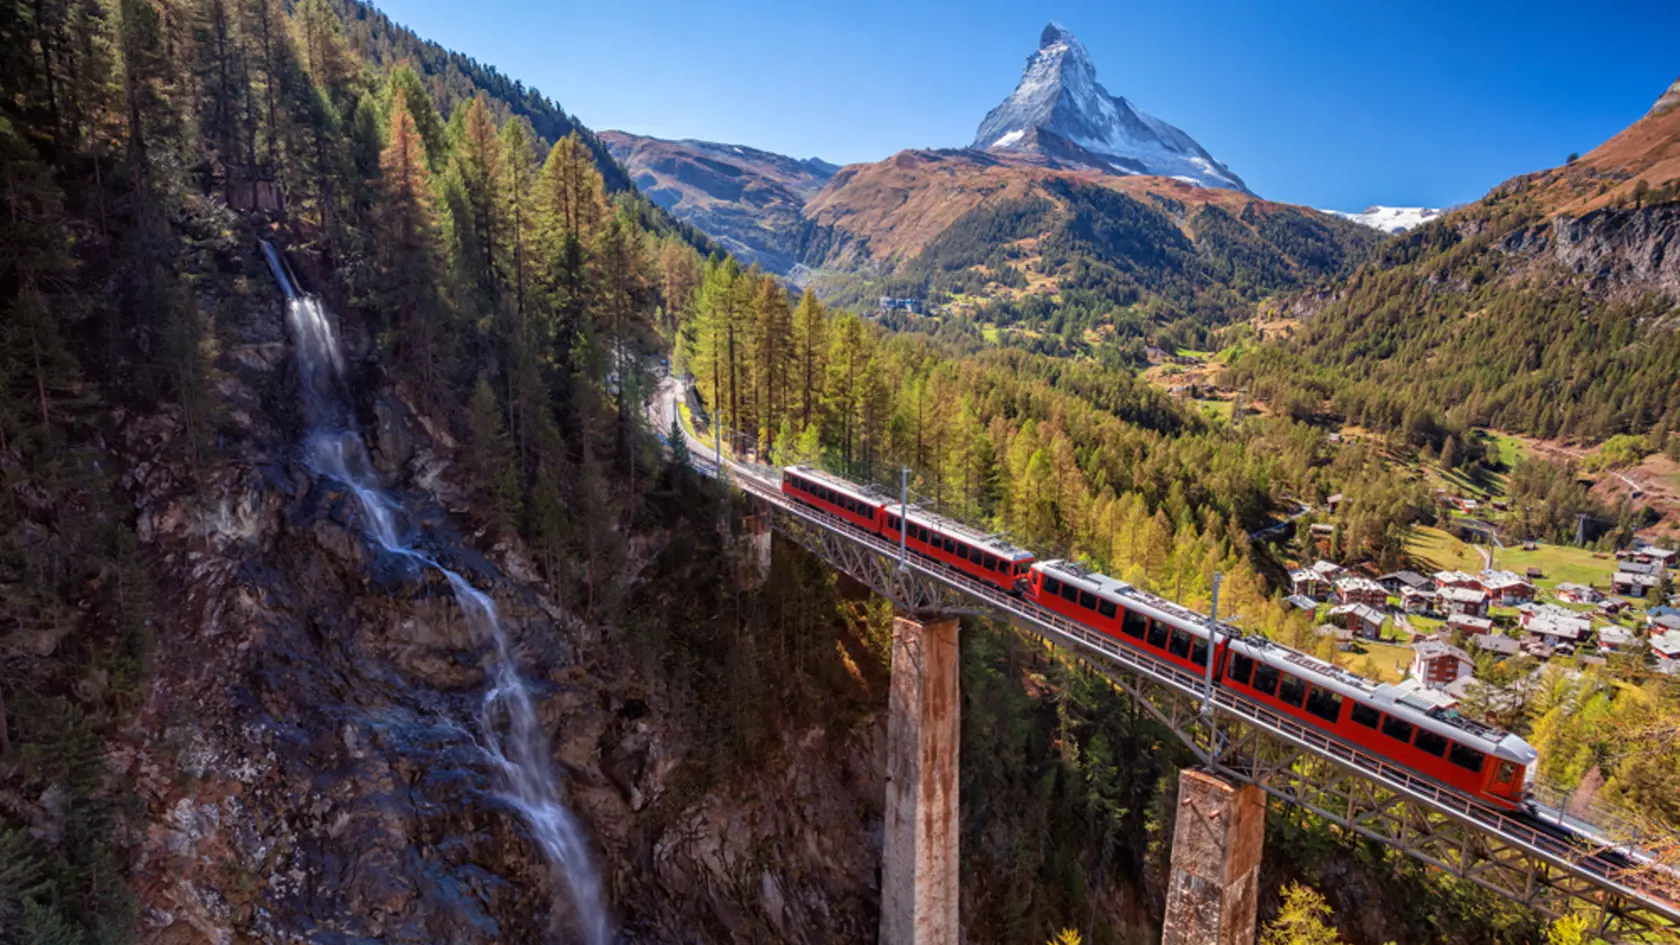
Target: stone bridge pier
x,y
919,861
1213,889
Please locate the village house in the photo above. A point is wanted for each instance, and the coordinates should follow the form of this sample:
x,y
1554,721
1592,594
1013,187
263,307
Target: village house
x,y
1578,594
1305,582
1472,602
1614,639
1446,579
1439,665
1496,643
1610,606
1301,602
1506,587
1355,589
1396,582
1363,619
1660,558
1633,583
1666,648
1555,625
1418,600
1464,623
1663,622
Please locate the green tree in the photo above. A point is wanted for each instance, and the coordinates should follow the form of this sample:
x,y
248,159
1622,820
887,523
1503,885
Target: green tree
x,y
1300,919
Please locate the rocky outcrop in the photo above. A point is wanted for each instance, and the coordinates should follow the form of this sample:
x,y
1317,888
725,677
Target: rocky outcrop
x,y
306,755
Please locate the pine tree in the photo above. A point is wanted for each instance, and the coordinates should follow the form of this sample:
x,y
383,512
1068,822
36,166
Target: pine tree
x,y
495,467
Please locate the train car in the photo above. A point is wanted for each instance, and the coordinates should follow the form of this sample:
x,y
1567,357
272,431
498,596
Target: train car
x,y
1458,752
1177,634
955,545
860,505
1446,747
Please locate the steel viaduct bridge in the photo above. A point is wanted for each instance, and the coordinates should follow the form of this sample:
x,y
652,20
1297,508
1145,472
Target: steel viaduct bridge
x,y
1242,743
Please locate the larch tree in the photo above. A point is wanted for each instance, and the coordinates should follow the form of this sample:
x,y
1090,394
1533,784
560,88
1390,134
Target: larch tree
x,y
773,352
810,339
407,238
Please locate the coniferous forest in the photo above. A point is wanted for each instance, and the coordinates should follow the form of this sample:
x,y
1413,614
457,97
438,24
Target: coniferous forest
x,y
498,275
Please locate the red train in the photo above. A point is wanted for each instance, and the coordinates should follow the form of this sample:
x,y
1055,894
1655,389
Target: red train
x,y
1478,760
982,556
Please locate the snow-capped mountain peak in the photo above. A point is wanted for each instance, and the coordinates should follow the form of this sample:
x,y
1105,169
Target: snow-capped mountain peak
x,y
1391,219
1061,111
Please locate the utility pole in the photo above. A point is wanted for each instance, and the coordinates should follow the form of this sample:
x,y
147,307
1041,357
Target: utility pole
x,y
903,517
1213,645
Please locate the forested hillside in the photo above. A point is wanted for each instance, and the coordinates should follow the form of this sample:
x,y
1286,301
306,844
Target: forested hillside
x,y
1551,307
1077,261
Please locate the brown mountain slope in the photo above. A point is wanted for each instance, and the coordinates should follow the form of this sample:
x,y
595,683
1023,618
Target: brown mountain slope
x,y
1647,150
749,200
1015,239
895,207
1550,307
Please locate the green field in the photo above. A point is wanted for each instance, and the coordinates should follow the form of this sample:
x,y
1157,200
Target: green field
x,y
1389,660
1434,550
1558,563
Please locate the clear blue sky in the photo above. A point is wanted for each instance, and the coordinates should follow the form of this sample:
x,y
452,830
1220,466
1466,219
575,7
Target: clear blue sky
x,y
1331,104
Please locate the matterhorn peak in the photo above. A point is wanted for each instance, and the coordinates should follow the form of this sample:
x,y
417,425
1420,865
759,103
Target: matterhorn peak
x,y
1061,112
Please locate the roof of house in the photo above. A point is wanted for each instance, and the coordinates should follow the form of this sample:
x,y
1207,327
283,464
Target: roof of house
x,y
1574,588
1301,602
1409,591
1666,644
1666,621
1305,574
1463,595
1415,688
1636,567
1493,580
1614,636
1467,622
1408,578
1435,649
1358,582
1635,578
1496,643
1363,611
1454,577
1327,568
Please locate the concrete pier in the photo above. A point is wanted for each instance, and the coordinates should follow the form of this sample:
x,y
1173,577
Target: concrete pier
x,y
1217,839
919,863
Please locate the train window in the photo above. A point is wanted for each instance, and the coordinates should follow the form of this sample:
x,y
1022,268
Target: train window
x,y
1240,668
1431,743
1507,771
1397,729
1293,691
1070,593
1466,757
1180,645
1365,715
1265,679
991,562
922,534
962,551
1158,633
1198,652
1325,704
1107,608
950,545
1051,585
1133,624
1087,600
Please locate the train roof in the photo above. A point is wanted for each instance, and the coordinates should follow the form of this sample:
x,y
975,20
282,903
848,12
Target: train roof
x,y
865,493
877,496
973,536
1388,699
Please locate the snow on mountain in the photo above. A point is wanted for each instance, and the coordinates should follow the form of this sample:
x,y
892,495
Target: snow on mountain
x,y
1391,219
1061,111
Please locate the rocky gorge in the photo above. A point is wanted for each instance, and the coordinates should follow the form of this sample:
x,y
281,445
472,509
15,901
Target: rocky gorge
x,y
305,754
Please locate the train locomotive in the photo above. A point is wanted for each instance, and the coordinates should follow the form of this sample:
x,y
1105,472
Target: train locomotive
x,y
1478,760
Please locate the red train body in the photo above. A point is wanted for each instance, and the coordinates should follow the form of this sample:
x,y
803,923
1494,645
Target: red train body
x,y
1478,760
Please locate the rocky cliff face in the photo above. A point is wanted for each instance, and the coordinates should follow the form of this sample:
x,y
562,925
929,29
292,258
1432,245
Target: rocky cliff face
x,y
306,758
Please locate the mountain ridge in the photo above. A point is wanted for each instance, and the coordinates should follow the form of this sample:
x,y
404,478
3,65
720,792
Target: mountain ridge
x,y
1060,111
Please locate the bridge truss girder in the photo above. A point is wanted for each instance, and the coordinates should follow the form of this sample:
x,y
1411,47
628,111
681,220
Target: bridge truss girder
x,y
1419,821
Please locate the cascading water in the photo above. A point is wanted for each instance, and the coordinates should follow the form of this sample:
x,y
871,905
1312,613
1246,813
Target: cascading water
x,y
509,729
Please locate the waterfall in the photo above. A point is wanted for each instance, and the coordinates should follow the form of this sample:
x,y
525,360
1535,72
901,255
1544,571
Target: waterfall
x,y
508,726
